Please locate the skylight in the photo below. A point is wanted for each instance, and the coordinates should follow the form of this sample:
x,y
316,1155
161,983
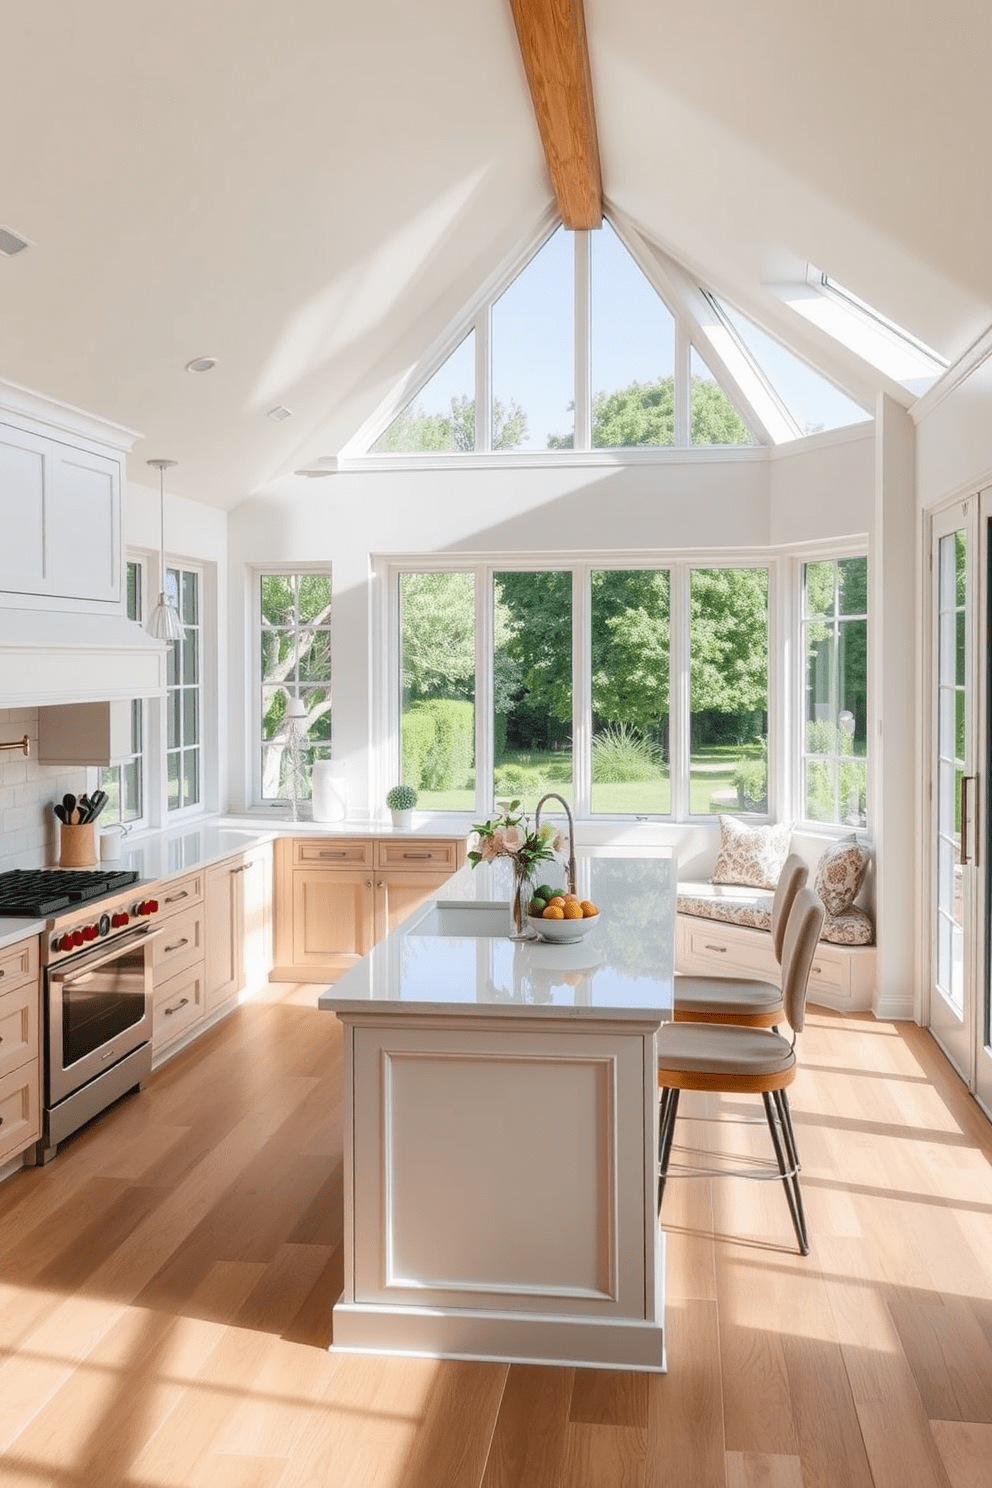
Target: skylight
x,y
864,330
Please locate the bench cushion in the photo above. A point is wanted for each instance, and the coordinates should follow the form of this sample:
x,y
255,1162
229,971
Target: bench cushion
x,y
753,908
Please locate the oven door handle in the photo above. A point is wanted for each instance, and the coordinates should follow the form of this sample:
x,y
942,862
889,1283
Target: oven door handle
x,y
68,972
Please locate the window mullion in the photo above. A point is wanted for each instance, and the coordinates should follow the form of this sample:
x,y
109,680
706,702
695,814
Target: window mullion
x,y
483,383
583,391
581,690
683,400
485,700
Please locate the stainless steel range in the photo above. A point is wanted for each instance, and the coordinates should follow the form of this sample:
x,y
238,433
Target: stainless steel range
x,y
96,955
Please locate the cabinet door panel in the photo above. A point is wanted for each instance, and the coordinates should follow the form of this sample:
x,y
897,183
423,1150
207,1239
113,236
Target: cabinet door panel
x,y
20,1109
19,1027
399,893
84,532
331,916
24,479
222,921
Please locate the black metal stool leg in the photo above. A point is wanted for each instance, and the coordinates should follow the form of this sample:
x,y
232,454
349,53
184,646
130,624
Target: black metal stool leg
x,y
790,1177
669,1111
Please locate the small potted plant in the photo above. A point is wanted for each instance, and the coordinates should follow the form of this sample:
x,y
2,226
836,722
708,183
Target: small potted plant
x,y
401,801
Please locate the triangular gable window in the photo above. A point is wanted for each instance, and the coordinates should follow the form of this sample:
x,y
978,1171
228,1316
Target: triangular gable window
x,y
441,418
813,401
580,351
713,418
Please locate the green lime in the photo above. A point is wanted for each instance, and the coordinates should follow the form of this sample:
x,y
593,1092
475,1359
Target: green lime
x,y
544,892
536,905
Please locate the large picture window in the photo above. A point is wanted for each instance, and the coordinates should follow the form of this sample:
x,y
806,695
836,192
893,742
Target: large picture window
x,y
633,691
835,724
294,617
728,681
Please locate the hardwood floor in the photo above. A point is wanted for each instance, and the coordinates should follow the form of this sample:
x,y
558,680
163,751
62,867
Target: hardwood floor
x,y
166,1286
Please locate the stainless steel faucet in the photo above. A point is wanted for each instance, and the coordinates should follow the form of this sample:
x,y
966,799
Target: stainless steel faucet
x,y
554,796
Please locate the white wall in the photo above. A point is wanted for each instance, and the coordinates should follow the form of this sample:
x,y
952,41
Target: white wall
x,y
954,438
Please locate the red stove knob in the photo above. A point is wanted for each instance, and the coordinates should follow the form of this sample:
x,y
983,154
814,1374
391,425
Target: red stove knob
x,y
77,937
64,943
152,906
91,932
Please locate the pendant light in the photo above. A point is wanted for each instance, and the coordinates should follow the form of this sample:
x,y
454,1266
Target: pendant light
x,y
163,622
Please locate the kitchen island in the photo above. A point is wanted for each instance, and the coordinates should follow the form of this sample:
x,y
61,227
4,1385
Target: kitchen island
x,y
500,1143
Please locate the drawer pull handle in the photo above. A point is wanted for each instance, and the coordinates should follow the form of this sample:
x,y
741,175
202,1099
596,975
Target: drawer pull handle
x,y
177,945
180,1004
817,970
341,853
721,949
175,898
419,856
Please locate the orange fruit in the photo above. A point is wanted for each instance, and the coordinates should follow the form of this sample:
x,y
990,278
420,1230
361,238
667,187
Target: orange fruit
x,y
558,901
588,909
573,910
553,912
570,898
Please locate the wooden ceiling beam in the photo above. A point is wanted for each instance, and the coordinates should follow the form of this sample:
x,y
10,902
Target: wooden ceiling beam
x,y
552,39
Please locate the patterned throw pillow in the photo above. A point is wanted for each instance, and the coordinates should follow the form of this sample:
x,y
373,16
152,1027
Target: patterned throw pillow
x,y
840,874
751,855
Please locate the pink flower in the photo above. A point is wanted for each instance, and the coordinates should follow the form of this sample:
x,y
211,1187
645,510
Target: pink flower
x,y
513,840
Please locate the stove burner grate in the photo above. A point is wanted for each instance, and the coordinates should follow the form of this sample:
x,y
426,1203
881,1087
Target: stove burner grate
x,y
47,891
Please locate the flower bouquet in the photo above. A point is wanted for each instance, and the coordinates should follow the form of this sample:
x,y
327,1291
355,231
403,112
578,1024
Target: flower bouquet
x,y
511,836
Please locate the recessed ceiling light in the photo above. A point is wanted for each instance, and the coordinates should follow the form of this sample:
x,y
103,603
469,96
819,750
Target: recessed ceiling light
x,y
11,242
201,364
279,413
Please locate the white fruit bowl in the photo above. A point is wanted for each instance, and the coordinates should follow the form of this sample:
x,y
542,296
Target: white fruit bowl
x,y
561,932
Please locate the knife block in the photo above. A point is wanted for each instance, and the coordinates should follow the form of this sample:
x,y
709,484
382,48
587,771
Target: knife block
x,y
78,846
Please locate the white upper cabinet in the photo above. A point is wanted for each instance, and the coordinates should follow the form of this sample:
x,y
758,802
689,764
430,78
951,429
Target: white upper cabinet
x,y
62,516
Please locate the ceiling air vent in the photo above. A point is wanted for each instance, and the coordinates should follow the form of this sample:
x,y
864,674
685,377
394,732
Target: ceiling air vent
x,y
11,242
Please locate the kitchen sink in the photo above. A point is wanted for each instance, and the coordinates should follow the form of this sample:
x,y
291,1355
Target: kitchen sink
x,y
476,920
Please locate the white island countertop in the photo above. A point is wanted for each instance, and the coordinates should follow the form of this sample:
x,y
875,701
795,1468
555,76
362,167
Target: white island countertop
x,y
622,968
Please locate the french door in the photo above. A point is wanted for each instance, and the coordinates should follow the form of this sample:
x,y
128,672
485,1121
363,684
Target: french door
x,y
959,1004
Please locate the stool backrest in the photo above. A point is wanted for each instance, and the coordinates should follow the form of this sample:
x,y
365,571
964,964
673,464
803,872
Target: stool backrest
x,y
792,878
801,936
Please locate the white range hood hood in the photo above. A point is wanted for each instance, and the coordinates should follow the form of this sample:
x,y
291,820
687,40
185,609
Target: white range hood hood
x,y
49,656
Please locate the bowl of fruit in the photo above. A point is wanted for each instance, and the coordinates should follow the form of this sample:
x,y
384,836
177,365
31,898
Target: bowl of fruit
x,y
560,917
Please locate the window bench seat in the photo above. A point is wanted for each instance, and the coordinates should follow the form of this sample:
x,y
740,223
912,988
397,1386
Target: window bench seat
x,y
724,929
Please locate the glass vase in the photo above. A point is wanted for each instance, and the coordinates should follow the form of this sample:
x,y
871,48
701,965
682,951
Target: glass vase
x,y
520,898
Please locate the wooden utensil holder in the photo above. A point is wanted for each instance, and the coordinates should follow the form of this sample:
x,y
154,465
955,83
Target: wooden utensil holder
x,y
78,846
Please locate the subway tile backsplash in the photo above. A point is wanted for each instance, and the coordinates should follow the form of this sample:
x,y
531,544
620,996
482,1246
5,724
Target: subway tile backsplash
x,y
28,791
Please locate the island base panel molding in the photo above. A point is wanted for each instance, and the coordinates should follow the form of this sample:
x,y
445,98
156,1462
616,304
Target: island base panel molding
x,y
494,1337
501,1190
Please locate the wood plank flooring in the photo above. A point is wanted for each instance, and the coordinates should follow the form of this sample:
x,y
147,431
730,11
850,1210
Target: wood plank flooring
x,y
166,1286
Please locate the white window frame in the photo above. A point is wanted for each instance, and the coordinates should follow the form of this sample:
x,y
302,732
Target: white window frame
x,y
198,807
253,629
385,763
139,822
829,553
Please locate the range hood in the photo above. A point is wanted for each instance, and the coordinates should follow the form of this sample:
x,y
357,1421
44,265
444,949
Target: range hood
x,y
49,656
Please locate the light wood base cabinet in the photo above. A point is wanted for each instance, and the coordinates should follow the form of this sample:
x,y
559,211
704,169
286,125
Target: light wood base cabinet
x,y
20,1048
238,925
841,977
336,897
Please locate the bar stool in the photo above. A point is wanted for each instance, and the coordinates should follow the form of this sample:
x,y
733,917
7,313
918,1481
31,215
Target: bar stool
x,y
756,1004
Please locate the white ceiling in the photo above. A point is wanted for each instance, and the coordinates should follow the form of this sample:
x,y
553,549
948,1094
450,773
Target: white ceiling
x,y
310,192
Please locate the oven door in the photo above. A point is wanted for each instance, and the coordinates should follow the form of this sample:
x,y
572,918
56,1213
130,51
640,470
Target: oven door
x,y
99,1009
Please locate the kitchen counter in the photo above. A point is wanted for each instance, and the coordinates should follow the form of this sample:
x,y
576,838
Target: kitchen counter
x,y
501,1119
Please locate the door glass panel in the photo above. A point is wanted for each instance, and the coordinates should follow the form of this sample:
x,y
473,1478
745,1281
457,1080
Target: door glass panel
x,y
952,714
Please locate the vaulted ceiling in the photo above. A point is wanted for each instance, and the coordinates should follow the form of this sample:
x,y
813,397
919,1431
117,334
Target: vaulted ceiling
x,y
311,191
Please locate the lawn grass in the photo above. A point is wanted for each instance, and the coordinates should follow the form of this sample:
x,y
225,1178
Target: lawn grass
x,y
711,772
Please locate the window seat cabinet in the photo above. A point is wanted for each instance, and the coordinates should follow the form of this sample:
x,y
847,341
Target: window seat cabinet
x,y
841,977
336,897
